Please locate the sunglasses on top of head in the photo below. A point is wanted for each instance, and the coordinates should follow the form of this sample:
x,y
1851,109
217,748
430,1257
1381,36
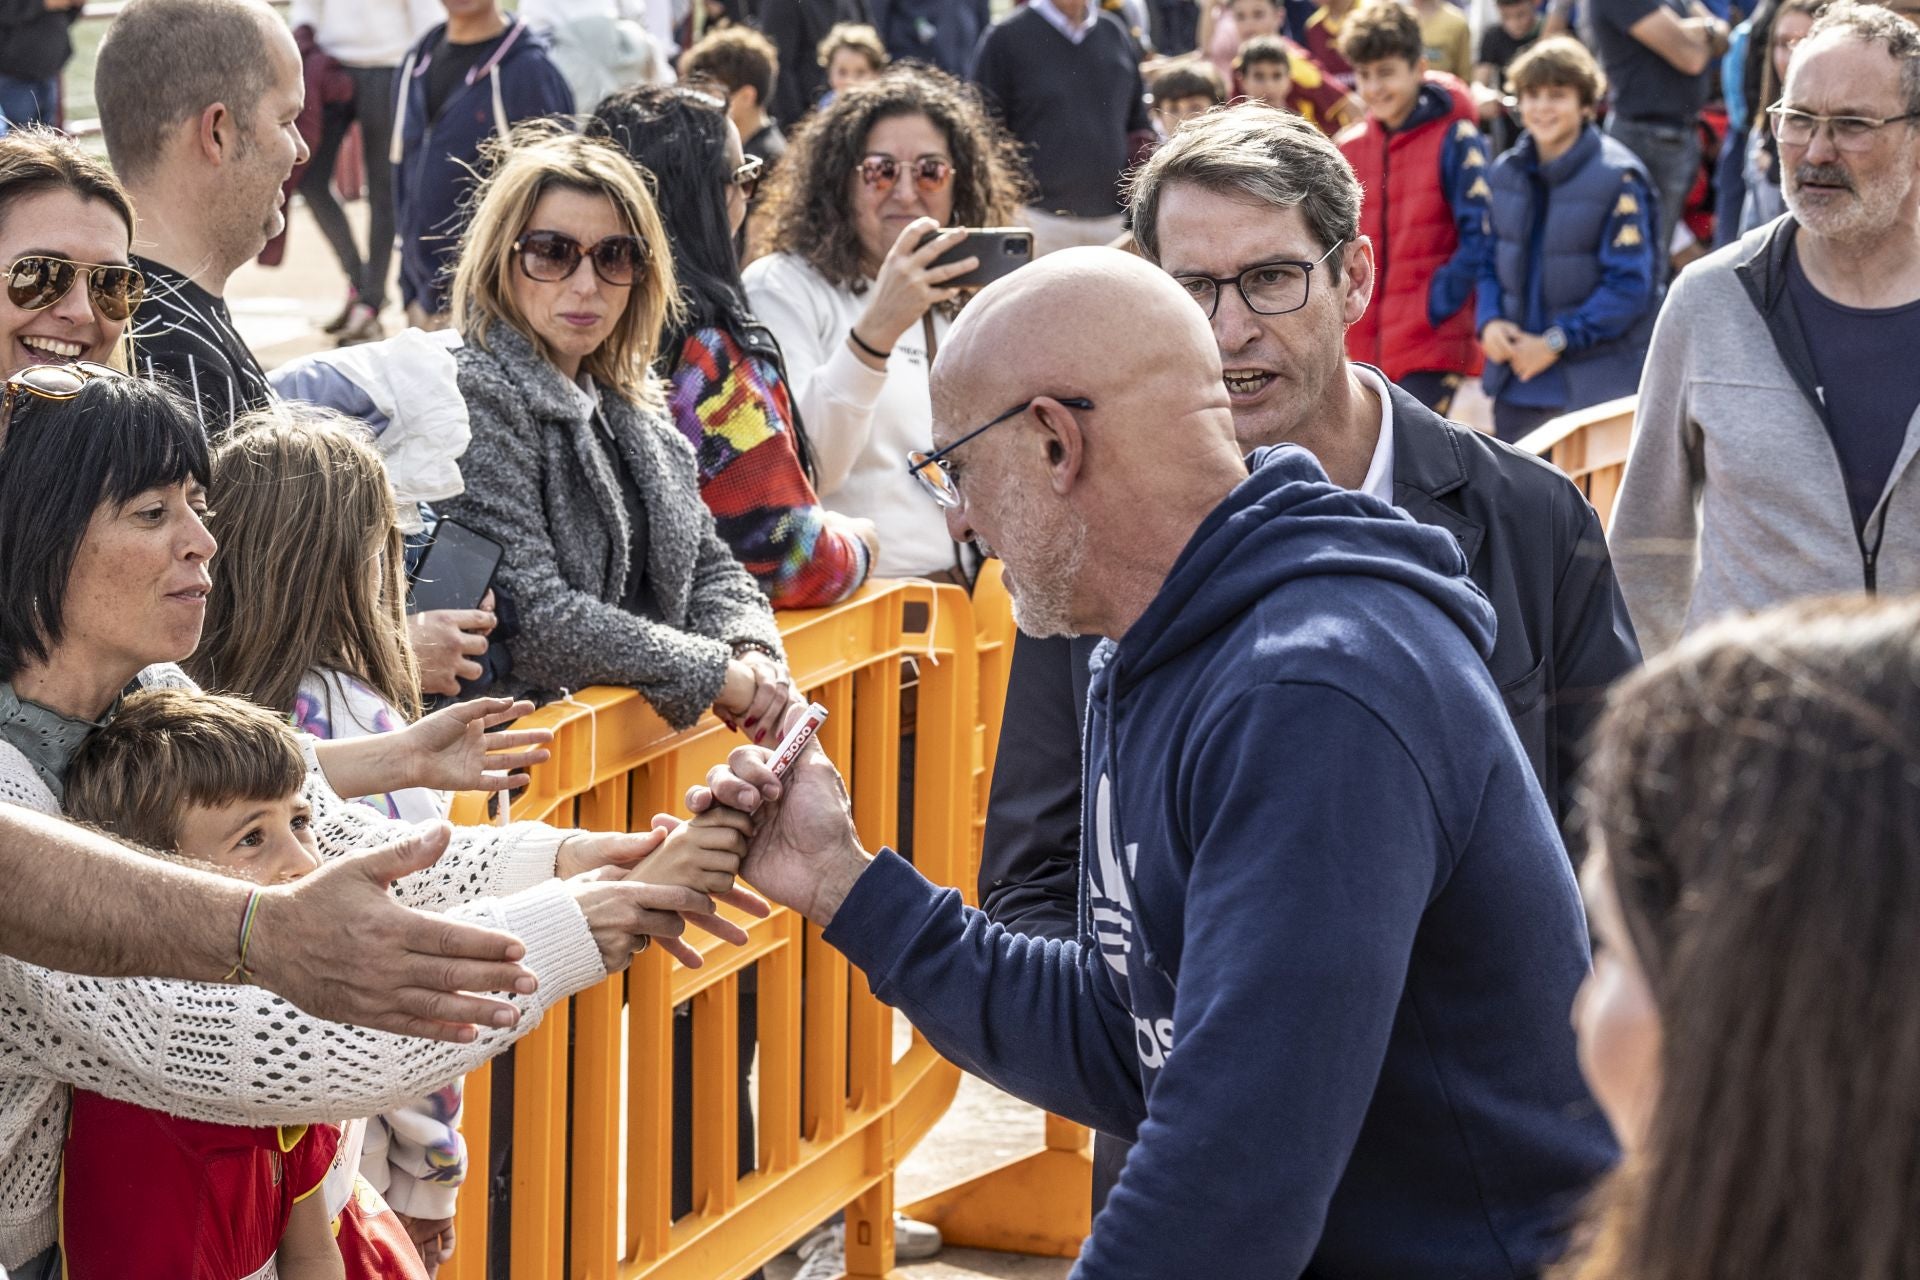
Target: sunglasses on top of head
x,y
747,176
881,172
551,256
38,280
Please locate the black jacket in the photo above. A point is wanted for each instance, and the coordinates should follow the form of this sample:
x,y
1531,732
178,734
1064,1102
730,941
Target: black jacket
x,y
1532,543
34,41
796,28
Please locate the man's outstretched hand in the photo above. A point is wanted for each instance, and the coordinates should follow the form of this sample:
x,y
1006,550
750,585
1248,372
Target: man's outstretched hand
x,y
805,853
338,945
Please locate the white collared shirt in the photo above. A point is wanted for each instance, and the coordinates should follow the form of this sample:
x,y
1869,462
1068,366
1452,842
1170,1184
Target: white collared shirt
x,y
1063,24
1379,481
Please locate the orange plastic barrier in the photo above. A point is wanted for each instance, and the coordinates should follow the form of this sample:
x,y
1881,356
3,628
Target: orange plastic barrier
x,y
1590,445
593,1086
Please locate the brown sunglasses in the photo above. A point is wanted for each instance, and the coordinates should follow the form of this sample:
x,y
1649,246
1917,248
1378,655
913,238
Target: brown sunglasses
x,y
39,280
52,382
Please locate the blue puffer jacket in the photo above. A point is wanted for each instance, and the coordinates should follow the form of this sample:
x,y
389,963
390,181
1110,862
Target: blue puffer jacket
x,y
1574,248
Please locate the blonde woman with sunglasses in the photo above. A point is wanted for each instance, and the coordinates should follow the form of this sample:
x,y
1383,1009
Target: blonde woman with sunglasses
x,y
851,294
66,225
575,468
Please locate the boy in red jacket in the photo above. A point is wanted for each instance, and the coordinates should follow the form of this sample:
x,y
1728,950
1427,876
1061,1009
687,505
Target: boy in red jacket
x,y
1423,165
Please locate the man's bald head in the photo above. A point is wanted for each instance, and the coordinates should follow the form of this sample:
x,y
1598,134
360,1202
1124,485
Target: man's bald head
x,y
1083,322
1087,506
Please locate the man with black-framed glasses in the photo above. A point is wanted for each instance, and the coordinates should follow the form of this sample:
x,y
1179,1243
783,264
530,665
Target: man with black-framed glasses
x,y
1779,412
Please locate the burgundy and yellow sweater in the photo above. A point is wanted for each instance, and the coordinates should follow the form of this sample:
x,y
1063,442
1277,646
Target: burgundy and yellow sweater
x,y
734,409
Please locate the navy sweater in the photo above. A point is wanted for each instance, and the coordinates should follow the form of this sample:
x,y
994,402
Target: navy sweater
x,y
1328,940
434,173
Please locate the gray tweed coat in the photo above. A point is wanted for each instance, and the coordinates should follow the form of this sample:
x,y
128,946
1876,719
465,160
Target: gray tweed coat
x,y
539,482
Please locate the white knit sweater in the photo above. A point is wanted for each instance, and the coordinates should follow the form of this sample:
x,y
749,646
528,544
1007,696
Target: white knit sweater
x,y
240,1055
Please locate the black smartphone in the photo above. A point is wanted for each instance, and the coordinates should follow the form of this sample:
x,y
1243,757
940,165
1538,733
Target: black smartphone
x,y
456,570
1001,250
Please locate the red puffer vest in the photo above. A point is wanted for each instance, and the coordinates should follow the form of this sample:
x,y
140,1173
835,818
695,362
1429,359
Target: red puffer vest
x,y
1406,213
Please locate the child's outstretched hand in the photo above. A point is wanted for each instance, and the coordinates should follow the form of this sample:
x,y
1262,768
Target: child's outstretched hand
x,y
703,854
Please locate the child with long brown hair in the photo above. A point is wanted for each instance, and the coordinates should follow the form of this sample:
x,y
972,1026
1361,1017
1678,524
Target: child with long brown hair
x,y
307,616
1750,1025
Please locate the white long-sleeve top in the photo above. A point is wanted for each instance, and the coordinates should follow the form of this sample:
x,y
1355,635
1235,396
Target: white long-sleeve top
x,y
241,1055
367,33
860,421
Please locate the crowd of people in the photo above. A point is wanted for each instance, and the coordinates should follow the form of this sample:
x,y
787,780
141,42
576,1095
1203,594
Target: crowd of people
x,y
1406,871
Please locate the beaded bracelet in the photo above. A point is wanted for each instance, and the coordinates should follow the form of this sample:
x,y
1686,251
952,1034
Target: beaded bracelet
x,y
741,647
240,969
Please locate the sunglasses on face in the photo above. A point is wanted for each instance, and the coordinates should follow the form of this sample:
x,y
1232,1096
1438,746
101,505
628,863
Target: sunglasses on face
x,y
747,176
38,280
550,257
930,173
51,382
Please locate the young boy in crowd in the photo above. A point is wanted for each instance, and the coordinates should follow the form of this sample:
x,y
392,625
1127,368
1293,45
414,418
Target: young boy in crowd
x,y
1269,70
849,53
1567,299
1183,89
469,80
1311,92
1519,26
1423,165
745,66
1321,35
219,781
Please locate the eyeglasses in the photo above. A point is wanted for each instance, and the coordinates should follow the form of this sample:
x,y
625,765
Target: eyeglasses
x,y
550,257
747,176
1850,133
1268,288
39,280
51,382
930,173
935,473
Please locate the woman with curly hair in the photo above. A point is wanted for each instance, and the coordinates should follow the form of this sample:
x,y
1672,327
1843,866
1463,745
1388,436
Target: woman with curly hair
x,y
850,291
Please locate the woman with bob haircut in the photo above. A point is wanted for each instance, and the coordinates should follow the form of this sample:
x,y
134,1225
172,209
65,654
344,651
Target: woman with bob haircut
x,y
66,226
850,290
727,383
564,286
1751,1024
104,552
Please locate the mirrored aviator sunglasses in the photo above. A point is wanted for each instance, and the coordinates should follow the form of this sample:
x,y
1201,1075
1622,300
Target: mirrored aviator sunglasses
x,y
550,257
37,281
52,382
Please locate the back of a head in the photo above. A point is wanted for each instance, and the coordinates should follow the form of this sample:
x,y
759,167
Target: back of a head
x,y
678,137
163,62
536,156
808,197
1257,153
1756,792
60,461
311,570
166,749
35,159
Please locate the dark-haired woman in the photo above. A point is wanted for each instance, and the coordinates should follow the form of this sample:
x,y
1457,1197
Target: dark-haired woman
x,y
727,387
1750,1025
851,292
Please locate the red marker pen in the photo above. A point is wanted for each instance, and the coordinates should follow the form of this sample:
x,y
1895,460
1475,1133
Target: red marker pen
x,y
797,739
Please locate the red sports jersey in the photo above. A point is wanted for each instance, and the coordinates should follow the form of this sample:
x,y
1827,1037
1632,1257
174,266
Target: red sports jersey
x,y
149,1196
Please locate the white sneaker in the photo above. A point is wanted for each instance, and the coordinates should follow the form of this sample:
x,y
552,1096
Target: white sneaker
x,y
823,1255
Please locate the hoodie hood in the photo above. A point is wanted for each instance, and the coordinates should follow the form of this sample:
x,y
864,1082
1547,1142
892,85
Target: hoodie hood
x,y
1288,521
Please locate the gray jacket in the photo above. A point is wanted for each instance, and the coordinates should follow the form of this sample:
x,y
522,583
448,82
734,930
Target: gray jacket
x,y
1733,498
540,483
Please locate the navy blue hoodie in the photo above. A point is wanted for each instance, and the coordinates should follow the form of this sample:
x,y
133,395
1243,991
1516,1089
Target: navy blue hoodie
x,y
1329,940
434,162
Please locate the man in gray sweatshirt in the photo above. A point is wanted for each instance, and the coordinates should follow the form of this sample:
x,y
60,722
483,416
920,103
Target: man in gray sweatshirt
x,y
1778,411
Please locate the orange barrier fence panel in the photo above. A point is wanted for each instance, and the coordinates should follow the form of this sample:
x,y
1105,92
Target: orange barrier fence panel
x,y
591,1140
1591,446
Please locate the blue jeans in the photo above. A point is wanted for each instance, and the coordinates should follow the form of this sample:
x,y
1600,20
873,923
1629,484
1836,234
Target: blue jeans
x,y
30,101
1671,152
